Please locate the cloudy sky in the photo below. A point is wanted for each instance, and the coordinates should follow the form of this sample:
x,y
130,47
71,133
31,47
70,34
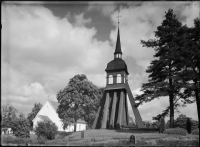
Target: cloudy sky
x,y
46,44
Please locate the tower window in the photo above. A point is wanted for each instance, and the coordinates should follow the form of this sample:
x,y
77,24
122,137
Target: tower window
x,y
118,55
119,78
110,79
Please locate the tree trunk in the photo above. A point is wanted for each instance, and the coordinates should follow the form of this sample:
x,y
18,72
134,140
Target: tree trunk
x,y
171,98
171,103
197,96
75,127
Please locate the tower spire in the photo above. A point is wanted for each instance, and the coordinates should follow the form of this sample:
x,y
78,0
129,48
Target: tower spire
x,y
118,43
118,18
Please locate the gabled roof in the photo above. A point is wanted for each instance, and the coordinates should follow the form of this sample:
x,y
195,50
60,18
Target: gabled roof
x,y
81,121
118,44
45,118
54,104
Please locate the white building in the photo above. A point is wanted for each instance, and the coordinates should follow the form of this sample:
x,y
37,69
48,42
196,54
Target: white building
x,y
48,113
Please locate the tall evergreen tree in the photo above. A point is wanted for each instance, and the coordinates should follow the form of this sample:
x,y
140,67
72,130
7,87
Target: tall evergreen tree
x,y
162,80
190,63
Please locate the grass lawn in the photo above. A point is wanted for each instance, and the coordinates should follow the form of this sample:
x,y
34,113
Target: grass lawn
x,y
122,137
119,137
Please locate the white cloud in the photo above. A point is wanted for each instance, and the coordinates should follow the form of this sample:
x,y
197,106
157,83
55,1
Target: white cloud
x,y
42,52
80,21
106,8
190,12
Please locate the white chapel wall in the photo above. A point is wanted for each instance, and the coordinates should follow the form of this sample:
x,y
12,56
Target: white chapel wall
x,y
80,127
49,111
35,121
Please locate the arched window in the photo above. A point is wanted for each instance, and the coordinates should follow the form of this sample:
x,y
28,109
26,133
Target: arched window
x,y
119,78
110,79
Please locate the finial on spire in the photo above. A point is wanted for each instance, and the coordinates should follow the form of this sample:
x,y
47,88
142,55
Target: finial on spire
x,y
118,17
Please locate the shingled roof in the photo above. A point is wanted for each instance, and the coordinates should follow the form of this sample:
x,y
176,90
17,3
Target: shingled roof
x,y
117,64
54,104
45,118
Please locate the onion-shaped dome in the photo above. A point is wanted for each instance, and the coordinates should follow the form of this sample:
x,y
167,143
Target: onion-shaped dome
x,y
117,64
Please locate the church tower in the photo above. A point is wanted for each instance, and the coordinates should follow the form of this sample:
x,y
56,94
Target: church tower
x,y
113,110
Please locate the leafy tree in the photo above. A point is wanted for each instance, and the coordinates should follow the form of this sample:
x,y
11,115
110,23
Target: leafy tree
x,y
180,121
195,124
8,114
20,127
47,130
33,113
78,100
163,79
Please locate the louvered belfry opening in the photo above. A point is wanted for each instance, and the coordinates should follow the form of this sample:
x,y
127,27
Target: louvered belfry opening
x,y
113,110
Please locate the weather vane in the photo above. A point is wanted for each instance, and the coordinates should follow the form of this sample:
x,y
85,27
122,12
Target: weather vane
x,y
118,17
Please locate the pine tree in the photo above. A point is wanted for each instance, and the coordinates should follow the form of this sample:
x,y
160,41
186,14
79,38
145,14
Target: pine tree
x,y
190,58
162,80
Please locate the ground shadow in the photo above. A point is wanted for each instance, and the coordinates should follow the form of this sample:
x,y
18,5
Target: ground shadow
x,y
63,133
137,130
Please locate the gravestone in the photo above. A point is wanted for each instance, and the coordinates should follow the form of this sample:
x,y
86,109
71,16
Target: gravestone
x,y
132,139
82,134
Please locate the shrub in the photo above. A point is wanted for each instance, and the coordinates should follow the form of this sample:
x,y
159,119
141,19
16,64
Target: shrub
x,y
21,128
167,126
41,139
47,130
16,140
176,131
162,125
195,132
189,125
180,121
8,139
195,124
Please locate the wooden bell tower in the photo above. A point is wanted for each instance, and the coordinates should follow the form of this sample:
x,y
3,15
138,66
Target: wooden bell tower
x,y
113,110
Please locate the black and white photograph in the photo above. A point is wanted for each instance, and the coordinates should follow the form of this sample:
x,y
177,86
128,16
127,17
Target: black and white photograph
x,y
100,73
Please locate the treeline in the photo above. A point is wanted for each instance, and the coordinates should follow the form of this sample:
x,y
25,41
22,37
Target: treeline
x,y
19,124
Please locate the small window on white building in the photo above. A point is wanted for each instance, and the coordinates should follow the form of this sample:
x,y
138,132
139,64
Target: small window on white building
x,y
119,78
110,79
